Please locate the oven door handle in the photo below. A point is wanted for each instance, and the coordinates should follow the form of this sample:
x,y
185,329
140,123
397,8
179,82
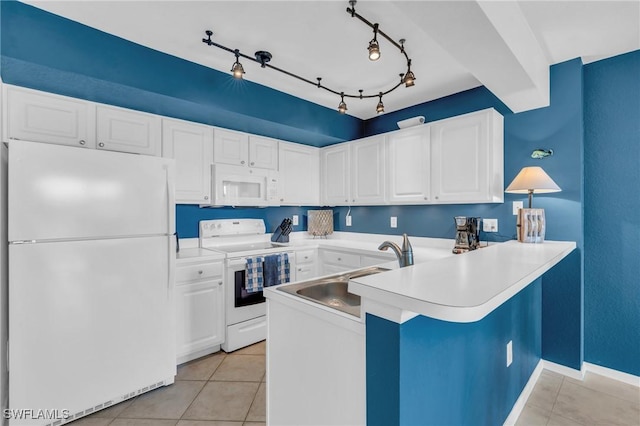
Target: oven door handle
x,y
237,262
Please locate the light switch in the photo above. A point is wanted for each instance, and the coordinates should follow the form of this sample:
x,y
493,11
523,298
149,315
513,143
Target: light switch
x,y
294,219
394,222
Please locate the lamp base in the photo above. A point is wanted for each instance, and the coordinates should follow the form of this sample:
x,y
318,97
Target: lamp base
x,y
531,225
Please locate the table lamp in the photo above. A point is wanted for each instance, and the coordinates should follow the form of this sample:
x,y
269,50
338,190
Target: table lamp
x,y
531,222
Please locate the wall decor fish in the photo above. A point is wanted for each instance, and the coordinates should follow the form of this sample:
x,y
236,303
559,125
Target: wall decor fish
x,y
539,154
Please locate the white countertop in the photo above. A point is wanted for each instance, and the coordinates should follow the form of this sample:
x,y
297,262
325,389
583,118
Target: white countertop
x,y
465,287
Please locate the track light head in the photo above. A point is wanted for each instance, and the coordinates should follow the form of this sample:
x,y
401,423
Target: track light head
x,y
342,107
237,70
409,79
380,106
374,50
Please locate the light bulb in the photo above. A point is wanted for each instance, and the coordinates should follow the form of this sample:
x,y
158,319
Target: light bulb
x,y
374,50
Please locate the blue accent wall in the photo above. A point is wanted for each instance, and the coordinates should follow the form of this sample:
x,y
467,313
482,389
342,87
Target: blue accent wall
x,y
451,373
44,51
612,233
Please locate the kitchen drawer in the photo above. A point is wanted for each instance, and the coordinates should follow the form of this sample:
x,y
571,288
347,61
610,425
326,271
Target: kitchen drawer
x,y
340,258
198,271
305,256
305,272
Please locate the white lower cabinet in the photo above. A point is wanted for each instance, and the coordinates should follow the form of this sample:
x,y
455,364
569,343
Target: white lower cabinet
x,y
315,369
306,261
200,326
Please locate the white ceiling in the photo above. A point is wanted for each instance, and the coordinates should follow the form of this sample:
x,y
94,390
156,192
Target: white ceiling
x,y
454,45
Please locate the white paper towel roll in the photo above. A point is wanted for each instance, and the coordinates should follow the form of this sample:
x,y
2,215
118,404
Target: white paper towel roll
x,y
415,121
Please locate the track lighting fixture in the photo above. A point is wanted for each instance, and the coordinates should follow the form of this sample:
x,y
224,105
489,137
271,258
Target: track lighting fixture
x,y
374,47
342,107
263,57
380,107
237,69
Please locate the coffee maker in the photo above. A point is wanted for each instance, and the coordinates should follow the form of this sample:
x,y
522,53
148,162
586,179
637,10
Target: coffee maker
x,y
467,233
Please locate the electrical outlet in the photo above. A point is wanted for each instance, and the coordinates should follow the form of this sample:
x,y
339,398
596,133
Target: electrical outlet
x,y
517,205
394,222
348,220
490,225
294,220
509,353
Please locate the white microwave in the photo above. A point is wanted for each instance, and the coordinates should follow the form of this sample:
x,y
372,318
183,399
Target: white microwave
x,y
243,186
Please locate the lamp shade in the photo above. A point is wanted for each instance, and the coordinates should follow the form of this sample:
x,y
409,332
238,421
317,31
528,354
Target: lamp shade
x,y
532,180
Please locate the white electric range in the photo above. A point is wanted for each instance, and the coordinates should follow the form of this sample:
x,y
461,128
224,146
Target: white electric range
x,y
239,239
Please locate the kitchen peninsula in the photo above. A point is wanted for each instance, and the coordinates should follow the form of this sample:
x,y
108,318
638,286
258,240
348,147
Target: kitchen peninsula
x,y
453,340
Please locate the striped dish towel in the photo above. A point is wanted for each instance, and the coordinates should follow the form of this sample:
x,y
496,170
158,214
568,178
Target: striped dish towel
x,y
254,274
283,268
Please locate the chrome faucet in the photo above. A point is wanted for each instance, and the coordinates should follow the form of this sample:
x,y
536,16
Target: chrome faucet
x,y
405,255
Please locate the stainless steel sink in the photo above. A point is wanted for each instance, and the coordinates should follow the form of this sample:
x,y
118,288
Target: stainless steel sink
x,y
332,291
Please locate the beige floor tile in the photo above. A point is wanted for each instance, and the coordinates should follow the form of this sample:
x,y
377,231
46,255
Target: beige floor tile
x,y
259,348
222,401
169,402
240,368
258,410
609,386
254,424
113,411
91,421
207,423
584,405
143,422
533,416
545,391
556,420
201,368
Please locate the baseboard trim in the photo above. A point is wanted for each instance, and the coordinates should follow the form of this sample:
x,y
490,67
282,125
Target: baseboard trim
x,y
524,395
612,374
565,371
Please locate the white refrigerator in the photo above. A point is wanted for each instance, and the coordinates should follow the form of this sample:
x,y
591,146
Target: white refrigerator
x,y
91,261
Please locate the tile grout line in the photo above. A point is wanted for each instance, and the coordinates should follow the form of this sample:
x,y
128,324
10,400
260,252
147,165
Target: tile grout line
x,y
202,388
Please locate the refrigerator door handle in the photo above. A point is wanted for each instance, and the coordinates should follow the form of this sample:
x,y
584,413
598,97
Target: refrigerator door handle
x,y
170,263
171,202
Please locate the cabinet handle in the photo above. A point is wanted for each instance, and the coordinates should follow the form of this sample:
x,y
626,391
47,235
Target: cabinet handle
x,y
339,259
426,198
242,162
437,198
101,145
281,199
219,282
346,201
200,272
206,197
82,142
252,163
353,201
306,257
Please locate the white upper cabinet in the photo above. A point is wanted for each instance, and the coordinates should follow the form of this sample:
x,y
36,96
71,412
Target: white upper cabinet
x,y
36,116
242,149
409,164
230,147
191,145
130,131
299,174
368,165
467,158
263,152
335,175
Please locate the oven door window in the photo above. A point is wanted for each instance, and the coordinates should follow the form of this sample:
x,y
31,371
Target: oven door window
x,y
242,297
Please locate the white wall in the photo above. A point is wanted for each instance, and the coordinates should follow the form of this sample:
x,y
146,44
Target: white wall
x,y
4,311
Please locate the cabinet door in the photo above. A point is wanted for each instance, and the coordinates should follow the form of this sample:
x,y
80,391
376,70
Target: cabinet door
x,y
462,157
200,316
263,152
130,131
230,147
35,116
191,145
368,171
299,175
335,175
409,166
